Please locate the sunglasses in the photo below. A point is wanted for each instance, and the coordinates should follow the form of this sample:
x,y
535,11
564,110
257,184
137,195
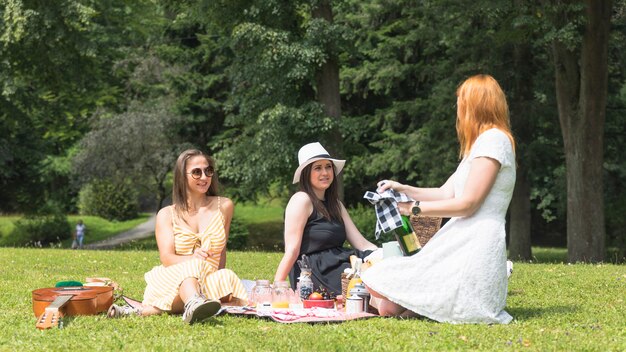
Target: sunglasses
x,y
196,173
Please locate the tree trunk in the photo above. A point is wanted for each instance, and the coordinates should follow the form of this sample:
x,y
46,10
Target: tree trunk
x,y
520,220
519,230
581,88
327,86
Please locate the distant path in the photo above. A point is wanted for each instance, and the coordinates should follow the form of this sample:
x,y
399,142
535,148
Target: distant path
x,y
141,231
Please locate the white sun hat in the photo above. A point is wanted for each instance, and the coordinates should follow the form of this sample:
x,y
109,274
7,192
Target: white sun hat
x,y
311,153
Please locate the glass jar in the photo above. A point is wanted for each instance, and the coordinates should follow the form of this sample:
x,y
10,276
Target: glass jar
x,y
294,300
262,294
305,284
281,294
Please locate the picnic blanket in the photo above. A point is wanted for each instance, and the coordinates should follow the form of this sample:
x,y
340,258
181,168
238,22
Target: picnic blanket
x,y
310,315
285,315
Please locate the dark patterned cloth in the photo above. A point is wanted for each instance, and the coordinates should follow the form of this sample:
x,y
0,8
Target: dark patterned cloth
x,y
388,216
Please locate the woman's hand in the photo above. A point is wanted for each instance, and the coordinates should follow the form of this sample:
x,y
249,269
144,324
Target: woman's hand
x,y
405,208
387,184
200,253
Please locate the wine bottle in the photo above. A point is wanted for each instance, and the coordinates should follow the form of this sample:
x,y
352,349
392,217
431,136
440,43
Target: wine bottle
x,y
406,237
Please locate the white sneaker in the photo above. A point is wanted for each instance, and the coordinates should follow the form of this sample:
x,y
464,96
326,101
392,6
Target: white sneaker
x,y
509,268
117,311
200,308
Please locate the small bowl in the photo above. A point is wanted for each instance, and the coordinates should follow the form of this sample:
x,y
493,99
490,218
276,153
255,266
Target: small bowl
x,y
320,303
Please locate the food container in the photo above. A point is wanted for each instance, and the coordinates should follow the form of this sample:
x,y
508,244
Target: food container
x,y
281,295
262,295
320,303
354,304
360,290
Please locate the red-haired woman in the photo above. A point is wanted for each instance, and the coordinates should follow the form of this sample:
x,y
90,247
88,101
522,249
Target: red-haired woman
x,y
191,235
461,275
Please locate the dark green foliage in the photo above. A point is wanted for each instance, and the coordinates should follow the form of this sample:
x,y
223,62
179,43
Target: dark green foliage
x,y
112,201
139,144
364,217
274,109
238,235
398,83
41,229
238,78
56,61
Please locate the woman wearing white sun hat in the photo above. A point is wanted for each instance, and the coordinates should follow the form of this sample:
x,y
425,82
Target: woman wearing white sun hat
x,y
317,223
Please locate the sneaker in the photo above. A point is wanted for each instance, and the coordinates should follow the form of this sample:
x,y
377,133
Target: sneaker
x,y
117,311
509,268
200,308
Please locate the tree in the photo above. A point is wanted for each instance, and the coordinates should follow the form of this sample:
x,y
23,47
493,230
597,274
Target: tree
x,y
285,92
581,69
140,144
56,63
521,109
327,82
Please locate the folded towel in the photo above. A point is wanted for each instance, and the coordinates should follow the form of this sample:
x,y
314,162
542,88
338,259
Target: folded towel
x,y
388,216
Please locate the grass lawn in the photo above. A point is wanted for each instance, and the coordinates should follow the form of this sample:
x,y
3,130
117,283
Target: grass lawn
x,y
264,223
100,229
557,307
265,226
97,227
7,224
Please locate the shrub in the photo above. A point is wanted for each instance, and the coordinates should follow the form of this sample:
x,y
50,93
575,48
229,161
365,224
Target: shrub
x,y
41,229
112,201
364,218
238,236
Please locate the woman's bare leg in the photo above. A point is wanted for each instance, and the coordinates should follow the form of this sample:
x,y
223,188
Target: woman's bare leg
x,y
387,308
187,290
149,310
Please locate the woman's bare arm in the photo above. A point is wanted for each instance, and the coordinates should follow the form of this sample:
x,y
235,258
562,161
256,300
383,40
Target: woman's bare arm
x,y
353,234
228,208
296,214
482,176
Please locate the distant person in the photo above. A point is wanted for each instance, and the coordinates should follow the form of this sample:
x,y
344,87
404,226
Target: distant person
x,y
191,235
317,223
79,234
461,275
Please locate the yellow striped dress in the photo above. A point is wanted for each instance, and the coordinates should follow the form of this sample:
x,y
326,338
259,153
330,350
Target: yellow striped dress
x,y
163,282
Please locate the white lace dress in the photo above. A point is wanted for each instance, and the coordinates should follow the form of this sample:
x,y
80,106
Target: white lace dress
x,y
460,275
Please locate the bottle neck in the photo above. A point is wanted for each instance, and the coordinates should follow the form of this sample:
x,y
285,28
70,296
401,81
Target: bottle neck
x,y
406,227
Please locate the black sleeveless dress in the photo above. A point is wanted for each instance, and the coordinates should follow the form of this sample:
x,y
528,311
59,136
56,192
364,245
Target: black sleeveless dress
x,y
322,242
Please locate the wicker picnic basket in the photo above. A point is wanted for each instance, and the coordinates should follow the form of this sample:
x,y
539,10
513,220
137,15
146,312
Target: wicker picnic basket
x,y
425,228
344,284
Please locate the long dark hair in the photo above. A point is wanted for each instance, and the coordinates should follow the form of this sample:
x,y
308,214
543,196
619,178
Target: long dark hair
x,y
332,211
179,189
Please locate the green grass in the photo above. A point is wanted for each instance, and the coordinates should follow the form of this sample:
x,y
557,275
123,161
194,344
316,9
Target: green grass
x,y
557,307
7,224
252,214
265,226
264,223
97,227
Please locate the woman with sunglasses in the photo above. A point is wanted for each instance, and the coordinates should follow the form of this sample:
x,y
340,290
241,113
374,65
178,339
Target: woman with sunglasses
x,y
317,223
191,235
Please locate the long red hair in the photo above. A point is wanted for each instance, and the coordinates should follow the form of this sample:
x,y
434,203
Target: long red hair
x,y
481,105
